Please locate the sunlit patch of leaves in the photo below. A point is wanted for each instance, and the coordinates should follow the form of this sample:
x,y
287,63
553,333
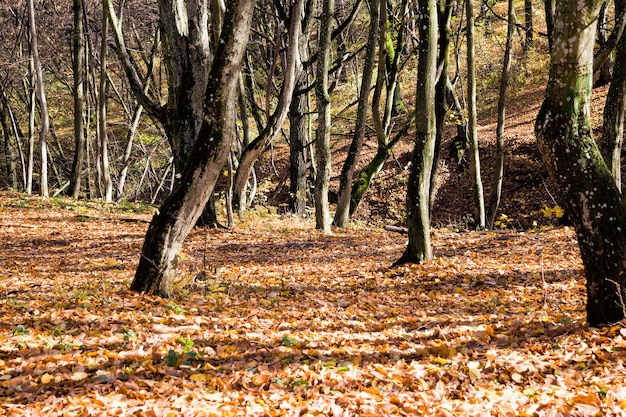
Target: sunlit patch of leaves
x,y
292,322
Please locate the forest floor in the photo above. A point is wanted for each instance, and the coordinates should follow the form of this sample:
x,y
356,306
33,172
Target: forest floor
x,y
272,318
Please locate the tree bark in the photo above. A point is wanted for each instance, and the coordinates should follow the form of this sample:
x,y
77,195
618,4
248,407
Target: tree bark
x,y
418,190
613,127
444,13
79,73
322,134
586,188
342,214
293,67
178,214
498,172
43,103
102,114
528,24
479,199
298,139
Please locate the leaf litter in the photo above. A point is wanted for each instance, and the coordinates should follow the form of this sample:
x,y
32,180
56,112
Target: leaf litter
x,y
273,318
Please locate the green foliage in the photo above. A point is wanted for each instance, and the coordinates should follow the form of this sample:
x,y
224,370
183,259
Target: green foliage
x,y
187,343
175,308
20,330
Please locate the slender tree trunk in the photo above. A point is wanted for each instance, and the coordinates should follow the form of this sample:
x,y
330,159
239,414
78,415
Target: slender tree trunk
x,y
479,199
418,190
178,214
585,186
444,13
528,24
298,139
293,67
322,134
549,8
31,128
43,104
130,137
10,154
342,214
498,172
613,127
78,68
102,114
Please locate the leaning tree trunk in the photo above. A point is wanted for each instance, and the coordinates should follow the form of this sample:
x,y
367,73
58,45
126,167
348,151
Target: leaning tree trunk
x,y
293,67
585,186
613,127
498,173
342,214
418,190
322,134
178,214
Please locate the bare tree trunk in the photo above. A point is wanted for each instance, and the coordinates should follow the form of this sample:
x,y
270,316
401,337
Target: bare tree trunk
x,y
342,214
102,114
479,199
585,187
31,128
178,214
78,67
528,24
418,189
613,127
498,174
41,96
293,67
322,134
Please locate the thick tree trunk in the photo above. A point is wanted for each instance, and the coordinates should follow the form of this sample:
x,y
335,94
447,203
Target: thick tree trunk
x,y
498,172
586,188
78,68
322,134
418,190
171,225
613,127
342,214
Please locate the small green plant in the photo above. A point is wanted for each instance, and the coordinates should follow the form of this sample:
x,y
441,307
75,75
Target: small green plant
x,y
175,308
20,330
289,341
172,357
129,334
602,392
187,343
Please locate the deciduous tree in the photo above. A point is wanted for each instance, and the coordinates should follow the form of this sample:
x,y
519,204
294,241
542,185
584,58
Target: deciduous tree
x,y
586,188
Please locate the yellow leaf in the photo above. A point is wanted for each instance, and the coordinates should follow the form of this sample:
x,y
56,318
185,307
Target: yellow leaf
x,y
46,378
440,361
473,368
198,377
